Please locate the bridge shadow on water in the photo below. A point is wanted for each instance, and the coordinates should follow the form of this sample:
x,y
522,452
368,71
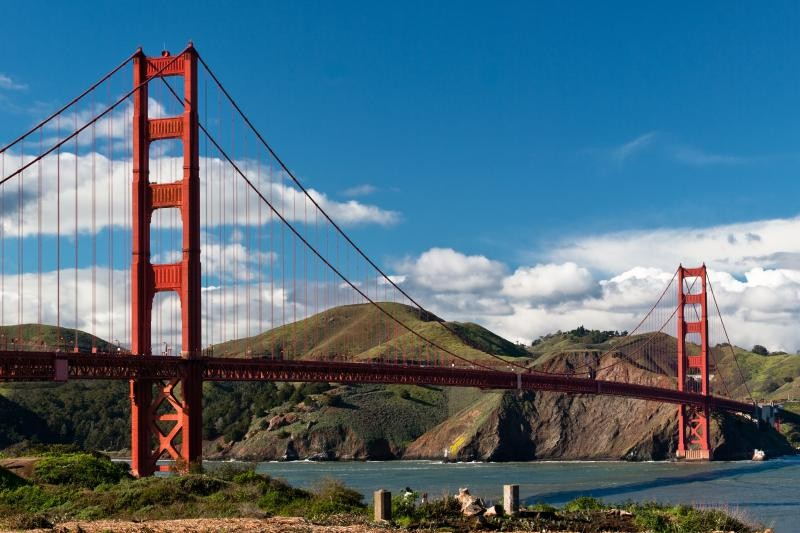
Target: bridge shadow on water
x,y
667,481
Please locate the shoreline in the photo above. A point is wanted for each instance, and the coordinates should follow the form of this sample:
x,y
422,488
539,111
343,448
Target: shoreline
x,y
88,492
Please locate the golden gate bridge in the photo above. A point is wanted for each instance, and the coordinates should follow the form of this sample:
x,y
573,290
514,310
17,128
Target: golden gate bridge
x,y
235,265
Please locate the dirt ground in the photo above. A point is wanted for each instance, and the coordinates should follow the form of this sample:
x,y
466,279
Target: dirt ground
x,y
197,525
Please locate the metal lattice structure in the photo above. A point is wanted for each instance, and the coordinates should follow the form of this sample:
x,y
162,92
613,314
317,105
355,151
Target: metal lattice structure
x,y
237,270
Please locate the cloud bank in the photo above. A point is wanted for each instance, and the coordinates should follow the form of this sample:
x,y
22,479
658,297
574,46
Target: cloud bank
x,y
610,281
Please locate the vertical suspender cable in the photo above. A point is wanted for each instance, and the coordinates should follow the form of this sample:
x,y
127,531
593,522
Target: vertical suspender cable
x,y
248,245
94,234
75,347
234,229
20,193
128,221
3,242
271,264
206,340
58,235
260,252
39,241
223,209
294,277
110,223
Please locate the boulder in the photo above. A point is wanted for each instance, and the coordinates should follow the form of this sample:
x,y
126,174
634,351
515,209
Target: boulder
x,y
470,505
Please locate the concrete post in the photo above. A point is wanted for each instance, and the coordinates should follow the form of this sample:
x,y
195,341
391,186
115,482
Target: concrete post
x,y
383,505
511,499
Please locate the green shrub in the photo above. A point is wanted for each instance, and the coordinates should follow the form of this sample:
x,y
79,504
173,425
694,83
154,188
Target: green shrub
x,y
281,498
584,503
31,499
684,519
403,505
145,492
333,497
230,471
200,485
250,477
438,511
79,470
542,507
652,520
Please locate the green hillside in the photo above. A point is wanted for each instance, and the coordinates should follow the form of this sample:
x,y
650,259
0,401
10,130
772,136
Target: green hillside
x,y
364,332
270,419
44,335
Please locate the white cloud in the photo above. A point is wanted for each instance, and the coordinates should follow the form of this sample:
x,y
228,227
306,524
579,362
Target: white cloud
x,y
360,190
733,248
353,213
233,201
446,270
661,145
7,83
760,303
700,158
548,282
631,148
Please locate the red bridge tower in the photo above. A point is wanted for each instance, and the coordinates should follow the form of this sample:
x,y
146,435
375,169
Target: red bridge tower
x,y
693,421
166,417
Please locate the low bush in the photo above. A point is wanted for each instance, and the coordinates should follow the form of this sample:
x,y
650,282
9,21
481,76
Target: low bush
x,y
79,470
584,503
333,497
668,519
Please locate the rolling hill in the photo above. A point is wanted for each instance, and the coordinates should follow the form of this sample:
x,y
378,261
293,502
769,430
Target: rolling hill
x,y
268,421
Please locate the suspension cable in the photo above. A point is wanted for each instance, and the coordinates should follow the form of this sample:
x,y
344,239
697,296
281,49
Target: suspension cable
x,y
77,131
297,234
69,104
733,353
335,225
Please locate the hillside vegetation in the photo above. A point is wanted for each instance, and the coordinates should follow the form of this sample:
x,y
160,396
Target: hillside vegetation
x,y
329,421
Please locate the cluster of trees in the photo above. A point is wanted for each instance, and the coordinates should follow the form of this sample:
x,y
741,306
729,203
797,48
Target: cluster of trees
x,y
229,408
761,350
582,335
96,415
593,336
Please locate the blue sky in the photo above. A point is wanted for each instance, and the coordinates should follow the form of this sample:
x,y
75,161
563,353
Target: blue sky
x,y
521,132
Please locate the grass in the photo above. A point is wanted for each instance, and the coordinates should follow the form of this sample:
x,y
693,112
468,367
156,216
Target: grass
x,y
582,514
82,470
228,492
231,491
364,332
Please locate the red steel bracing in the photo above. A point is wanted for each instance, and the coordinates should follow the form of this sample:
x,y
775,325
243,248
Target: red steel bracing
x,y
693,420
44,366
166,391
167,423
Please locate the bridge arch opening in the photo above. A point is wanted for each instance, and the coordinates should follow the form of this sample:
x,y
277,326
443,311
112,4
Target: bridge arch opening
x,y
165,335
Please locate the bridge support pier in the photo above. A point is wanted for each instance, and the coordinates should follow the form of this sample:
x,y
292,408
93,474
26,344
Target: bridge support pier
x,y
693,422
166,416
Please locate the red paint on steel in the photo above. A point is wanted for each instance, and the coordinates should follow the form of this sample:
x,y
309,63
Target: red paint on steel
x,y
693,419
177,404
40,366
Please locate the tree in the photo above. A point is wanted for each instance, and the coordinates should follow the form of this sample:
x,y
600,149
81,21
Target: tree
x,y
760,350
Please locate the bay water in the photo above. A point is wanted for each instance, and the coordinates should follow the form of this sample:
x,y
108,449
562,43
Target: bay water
x,y
767,493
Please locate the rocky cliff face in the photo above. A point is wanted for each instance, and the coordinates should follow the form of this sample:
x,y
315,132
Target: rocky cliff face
x,y
375,422
494,426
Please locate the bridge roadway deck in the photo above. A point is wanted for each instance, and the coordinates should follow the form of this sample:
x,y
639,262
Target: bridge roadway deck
x,y
41,366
